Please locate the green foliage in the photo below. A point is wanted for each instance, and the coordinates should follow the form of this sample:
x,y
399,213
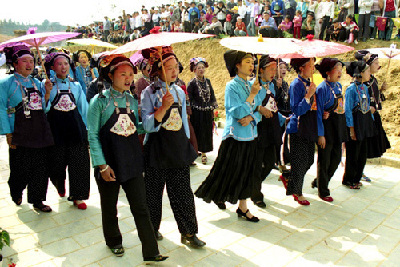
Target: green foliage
x,y
4,238
8,27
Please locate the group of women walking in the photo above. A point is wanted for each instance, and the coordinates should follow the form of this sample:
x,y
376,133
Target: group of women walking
x,y
146,148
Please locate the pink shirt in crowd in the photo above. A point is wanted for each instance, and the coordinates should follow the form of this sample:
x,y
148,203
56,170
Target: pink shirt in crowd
x,y
297,21
285,26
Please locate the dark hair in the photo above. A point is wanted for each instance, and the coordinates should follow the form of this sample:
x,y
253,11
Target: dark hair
x,y
326,65
193,65
287,17
355,68
296,63
350,16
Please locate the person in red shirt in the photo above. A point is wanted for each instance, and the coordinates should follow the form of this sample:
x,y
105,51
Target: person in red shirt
x,y
240,29
390,10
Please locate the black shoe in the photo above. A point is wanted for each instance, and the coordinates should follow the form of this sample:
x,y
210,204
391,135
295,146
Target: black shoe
x,y
221,205
156,258
240,214
158,235
42,207
118,250
193,241
314,184
260,204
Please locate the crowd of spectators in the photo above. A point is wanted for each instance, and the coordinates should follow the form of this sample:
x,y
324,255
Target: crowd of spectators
x,y
338,20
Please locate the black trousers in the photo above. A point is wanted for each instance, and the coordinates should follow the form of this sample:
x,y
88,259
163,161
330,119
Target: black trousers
x,y
302,158
356,158
363,25
76,157
180,196
328,162
266,158
136,195
325,25
28,168
268,32
305,32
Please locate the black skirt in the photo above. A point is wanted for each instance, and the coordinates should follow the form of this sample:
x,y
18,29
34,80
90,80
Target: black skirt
x,y
202,122
377,144
234,173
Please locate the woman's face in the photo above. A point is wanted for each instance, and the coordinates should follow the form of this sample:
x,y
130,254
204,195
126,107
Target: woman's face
x,y
61,67
171,68
122,78
366,74
307,69
375,66
348,20
282,70
268,73
146,71
246,67
199,70
25,65
83,59
335,74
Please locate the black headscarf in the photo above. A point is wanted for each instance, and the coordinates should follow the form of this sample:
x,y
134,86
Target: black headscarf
x,y
233,57
327,64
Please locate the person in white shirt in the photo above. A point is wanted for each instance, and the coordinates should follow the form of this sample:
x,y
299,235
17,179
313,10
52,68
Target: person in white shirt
x,y
132,21
316,7
138,21
242,9
156,18
364,11
346,7
328,9
185,17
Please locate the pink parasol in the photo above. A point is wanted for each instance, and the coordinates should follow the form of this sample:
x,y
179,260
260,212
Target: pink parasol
x,y
155,39
37,39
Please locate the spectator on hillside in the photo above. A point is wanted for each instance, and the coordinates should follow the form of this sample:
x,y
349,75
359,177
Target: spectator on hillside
x,y
346,8
364,11
308,25
177,13
209,15
156,18
277,9
220,12
106,28
268,26
240,29
196,26
242,9
202,12
185,18
251,27
285,26
177,27
328,9
215,27
194,13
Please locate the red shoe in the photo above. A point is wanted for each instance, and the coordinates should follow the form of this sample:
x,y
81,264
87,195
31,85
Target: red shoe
x,y
61,194
284,181
327,199
81,206
301,202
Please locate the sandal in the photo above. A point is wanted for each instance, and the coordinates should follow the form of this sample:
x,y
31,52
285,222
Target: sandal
x,y
204,159
118,250
365,178
42,207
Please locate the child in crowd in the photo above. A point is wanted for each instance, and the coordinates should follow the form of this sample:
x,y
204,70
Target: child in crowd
x,y
285,27
297,25
240,29
351,29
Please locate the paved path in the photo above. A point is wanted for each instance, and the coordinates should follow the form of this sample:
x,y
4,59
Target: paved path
x,y
360,228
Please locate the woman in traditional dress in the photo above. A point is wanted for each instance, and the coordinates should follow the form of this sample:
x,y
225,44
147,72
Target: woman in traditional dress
x,y
168,152
202,102
84,73
66,113
23,121
359,120
302,127
332,131
117,155
235,171
378,144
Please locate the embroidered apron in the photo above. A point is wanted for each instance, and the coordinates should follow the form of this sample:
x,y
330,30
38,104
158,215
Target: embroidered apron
x,y
120,144
269,129
65,120
31,128
308,126
169,147
335,126
363,122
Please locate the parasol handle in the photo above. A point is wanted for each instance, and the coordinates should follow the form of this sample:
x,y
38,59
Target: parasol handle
x,y
258,65
41,60
312,70
279,70
387,71
163,70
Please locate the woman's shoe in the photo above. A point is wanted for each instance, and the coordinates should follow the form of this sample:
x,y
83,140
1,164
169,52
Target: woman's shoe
x,y
204,159
301,202
156,258
158,235
80,204
260,204
42,207
284,181
193,241
18,201
240,214
118,250
365,178
327,199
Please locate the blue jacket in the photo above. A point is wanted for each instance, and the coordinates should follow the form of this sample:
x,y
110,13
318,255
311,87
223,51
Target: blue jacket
x,y
298,104
353,94
236,92
325,100
281,7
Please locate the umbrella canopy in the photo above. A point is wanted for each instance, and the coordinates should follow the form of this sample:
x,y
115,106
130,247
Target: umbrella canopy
x,y
92,42
257,45
386,52
37,39
158,39
314,48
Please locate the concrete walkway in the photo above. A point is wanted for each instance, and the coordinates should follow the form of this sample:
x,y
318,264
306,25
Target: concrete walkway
x,y
360,228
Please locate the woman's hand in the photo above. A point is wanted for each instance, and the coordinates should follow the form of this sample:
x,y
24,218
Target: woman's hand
x,y
353,134
322,141
279,82
107,173
246,120
265,112
9,141
255,88
325,116
372,109
311,90
167,100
